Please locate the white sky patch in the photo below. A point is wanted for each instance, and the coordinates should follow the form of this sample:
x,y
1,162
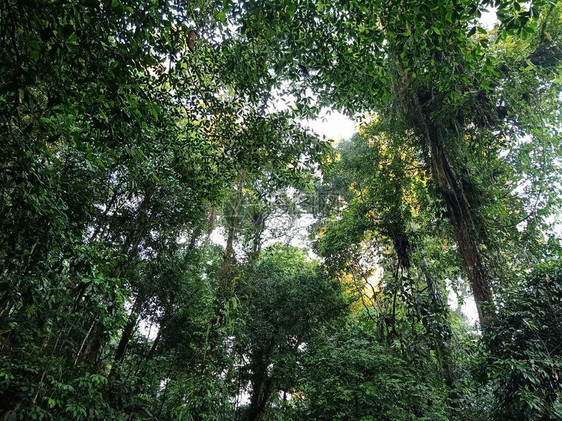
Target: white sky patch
x,y
218,237
489,18
329,123
468,306
332,125
148,329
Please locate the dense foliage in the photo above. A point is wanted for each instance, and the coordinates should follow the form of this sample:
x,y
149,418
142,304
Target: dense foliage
x,y
154,193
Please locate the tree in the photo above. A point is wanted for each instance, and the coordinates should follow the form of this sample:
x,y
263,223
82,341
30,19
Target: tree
x,y
428,70
285,299
120,128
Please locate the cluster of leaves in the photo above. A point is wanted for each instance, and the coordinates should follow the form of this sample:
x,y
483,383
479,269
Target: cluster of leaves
x,y
525,356
351,375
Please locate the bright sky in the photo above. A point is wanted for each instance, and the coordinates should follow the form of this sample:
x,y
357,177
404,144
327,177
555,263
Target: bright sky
x,y
333,125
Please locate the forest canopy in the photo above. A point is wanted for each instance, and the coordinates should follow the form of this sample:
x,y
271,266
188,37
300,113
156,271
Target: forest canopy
x,y
176,244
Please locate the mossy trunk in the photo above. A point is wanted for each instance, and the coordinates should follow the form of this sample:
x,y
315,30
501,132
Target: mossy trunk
x,y
459,216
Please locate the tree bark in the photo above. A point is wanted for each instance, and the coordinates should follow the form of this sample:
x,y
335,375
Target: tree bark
x,y
459,215
128,331
260,395
262,381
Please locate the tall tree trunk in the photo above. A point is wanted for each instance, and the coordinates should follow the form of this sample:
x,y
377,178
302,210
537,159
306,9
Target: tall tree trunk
x,y
421,106
91,346
128,331
261,391
262,381
224,293
459,215
130,250
226,284
259,399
